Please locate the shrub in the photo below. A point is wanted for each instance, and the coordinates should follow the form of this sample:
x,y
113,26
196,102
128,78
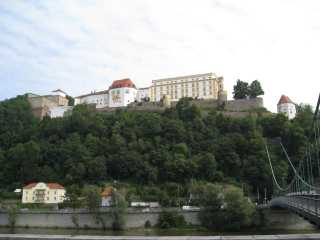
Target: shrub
x,y
12,216
75,220
170,220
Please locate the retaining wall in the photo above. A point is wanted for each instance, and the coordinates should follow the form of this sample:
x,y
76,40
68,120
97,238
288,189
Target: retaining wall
x,y
63,219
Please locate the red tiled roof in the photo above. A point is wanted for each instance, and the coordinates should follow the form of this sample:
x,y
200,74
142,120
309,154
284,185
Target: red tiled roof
x,y
55,186
107,192
122,83
284,99
30,185
49,185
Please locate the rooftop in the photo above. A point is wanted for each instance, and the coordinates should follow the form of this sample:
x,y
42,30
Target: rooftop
x,y
122,83
107,192
49,185
93,93
189,76
284,99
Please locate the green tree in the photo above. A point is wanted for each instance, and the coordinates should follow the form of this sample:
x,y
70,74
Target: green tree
x,y
73,195
118,210
238,209
70,100
92,198
240,90
255,89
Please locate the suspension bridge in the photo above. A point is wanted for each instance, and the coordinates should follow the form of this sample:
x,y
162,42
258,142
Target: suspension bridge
x,y
302,194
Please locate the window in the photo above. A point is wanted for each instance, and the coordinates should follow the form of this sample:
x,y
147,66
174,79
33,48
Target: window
x,y
127,91
47,198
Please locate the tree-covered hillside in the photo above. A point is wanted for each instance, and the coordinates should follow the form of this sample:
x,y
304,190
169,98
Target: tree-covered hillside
x,y
146,148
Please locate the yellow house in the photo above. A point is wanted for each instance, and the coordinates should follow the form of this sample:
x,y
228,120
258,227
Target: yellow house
x,y
43,193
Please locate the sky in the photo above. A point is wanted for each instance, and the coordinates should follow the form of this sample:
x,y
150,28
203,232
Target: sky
x,y
83,45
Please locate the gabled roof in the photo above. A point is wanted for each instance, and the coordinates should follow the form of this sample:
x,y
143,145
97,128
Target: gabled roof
x,y
49,185
59,90
30,185
284,99
93,93
54,186
107,192
122,83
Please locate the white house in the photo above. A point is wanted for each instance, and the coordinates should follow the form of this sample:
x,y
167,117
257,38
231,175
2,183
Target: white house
x,y
106,197
43,193
100,99
121,93
286,106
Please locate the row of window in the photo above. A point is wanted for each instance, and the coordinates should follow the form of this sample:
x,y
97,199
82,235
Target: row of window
x,y
182,80
40,198
40,192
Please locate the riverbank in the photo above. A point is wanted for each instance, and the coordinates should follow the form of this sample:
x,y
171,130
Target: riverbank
x,y
277,221
68,237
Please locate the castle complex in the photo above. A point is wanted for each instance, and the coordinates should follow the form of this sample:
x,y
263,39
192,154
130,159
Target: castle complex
x,y
123,92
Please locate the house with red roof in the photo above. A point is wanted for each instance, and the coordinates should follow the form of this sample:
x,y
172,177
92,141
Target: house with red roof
x,y
119,94
43,193
106,197
287,107
122,92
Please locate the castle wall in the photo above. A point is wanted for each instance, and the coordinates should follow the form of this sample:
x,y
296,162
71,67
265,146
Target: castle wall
x,y
134,218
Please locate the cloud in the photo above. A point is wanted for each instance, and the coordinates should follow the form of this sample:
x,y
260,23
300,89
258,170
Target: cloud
x,y
80,46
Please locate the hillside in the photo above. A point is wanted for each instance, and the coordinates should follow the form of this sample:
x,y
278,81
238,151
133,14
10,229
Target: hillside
x,y
146,148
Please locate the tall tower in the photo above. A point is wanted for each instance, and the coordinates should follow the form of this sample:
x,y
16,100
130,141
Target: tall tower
x,y
286,106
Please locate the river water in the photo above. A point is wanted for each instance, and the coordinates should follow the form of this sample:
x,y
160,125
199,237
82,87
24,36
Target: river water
x,y
278,222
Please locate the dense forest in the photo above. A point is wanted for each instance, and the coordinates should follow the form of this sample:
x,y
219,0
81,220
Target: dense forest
x,y
180,145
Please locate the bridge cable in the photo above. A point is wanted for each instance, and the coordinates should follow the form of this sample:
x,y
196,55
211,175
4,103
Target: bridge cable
x,y
295,171
273,174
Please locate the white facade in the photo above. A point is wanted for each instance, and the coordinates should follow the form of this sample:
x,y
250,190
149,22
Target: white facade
x,y
121,97
143,94
59,111
106,201
287,107
100,99
43,193
201,86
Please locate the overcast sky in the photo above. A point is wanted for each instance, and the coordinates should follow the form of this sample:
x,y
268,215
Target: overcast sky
x,y
80,46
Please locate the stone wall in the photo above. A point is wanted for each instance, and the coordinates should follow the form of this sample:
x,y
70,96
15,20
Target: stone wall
x,y
63,219
240,105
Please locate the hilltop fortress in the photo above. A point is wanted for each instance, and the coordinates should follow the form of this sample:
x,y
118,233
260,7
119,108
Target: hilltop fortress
x,y
206,89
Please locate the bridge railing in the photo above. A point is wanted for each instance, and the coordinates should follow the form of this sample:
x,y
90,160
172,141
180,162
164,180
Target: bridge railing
x,y
307,203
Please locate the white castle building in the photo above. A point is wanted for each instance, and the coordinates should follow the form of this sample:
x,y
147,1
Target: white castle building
x,y
286,106
123,92
120,94
200,86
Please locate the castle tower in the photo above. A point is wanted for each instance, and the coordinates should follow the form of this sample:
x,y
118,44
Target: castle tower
x,y
286,106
